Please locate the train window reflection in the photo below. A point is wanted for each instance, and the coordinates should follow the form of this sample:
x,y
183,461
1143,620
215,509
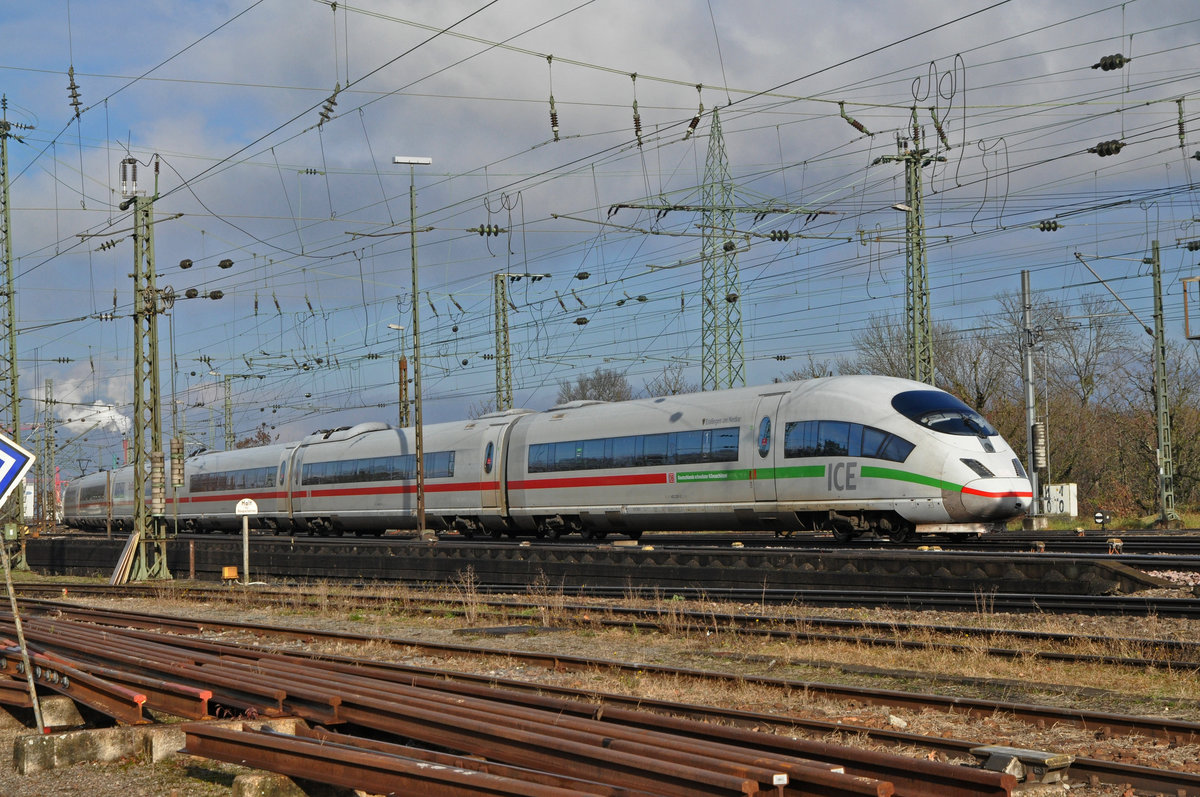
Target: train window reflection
x,y
631,451
942,412
438,465
842,439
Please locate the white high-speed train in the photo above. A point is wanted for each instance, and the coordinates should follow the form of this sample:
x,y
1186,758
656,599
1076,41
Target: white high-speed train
x,y
848,454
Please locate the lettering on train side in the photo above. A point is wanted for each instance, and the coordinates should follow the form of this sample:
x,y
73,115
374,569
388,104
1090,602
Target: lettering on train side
x,y
842,476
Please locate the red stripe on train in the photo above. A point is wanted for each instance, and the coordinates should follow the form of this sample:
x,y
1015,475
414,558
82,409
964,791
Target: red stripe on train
x,y
589,481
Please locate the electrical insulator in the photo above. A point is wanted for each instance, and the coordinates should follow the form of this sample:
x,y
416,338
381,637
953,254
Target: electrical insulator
x,y
1105,148
553,118
489,356
489,229
729,246
781,357
1110,62
1048,226
191,293
780,235
185,263
581,321
327,109
692,125
158,490
128,177
177,461
731,297
73,89
1039,445
1193,246
214,295
583,275
226,263
637,117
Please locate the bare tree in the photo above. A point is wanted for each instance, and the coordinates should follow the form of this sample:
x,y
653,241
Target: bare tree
x,y
261,436
478,409
602,385
814,370
671,382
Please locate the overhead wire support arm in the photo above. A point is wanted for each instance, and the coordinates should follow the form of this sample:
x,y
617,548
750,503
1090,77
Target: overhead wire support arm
x,y
641,230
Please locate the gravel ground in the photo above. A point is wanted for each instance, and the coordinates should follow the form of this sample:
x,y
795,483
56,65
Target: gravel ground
x,y
1170,694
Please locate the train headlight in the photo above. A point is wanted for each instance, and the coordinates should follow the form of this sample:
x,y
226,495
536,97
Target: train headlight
x,y
980,469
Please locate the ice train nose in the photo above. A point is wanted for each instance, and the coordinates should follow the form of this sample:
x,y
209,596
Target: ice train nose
x,y
997,499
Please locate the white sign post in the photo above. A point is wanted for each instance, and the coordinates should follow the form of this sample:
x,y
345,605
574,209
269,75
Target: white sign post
x,y
245,508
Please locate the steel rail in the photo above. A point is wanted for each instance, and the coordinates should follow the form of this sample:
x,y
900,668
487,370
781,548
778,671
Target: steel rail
x,y
759,625
1175,731
1166,781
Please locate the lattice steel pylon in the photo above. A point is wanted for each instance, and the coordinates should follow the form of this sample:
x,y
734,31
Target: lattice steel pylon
x,y
504,394
1166,457
722,363
918,323
148,555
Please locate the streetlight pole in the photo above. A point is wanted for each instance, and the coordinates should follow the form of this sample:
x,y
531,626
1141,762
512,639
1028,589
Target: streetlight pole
x,y
412,163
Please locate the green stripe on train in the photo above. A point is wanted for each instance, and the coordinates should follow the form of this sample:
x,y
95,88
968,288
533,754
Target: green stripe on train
x,y
797,472
813,472
872,472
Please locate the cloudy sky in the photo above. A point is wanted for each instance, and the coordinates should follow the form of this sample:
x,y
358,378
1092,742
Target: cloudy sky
x,y
267,130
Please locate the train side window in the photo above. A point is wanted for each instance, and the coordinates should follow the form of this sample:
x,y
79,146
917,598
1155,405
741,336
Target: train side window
x,y
487,458
566,455
593,454
539,457
833,439
872,441
896,449
624,452
764,436
689,447
724,445
654,449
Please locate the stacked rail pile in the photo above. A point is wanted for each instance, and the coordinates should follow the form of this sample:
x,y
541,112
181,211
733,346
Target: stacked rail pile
x,y
451,738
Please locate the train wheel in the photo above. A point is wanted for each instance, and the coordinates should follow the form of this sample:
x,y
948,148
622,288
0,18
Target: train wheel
x,y
843,535
900,534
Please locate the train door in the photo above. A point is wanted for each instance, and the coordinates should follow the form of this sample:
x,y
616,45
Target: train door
x,y
765,449
489,478
291,472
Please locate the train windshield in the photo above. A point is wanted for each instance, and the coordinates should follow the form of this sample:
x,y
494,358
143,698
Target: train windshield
x,y
942,412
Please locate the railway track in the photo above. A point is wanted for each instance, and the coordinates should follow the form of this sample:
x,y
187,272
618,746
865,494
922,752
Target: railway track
x,y
112,634
1000,642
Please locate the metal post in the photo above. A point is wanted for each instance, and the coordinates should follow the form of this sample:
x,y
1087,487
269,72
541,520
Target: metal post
x,y
228,412
504,399
150,557
1166,471
1030,405
8,310
416,323
402,395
